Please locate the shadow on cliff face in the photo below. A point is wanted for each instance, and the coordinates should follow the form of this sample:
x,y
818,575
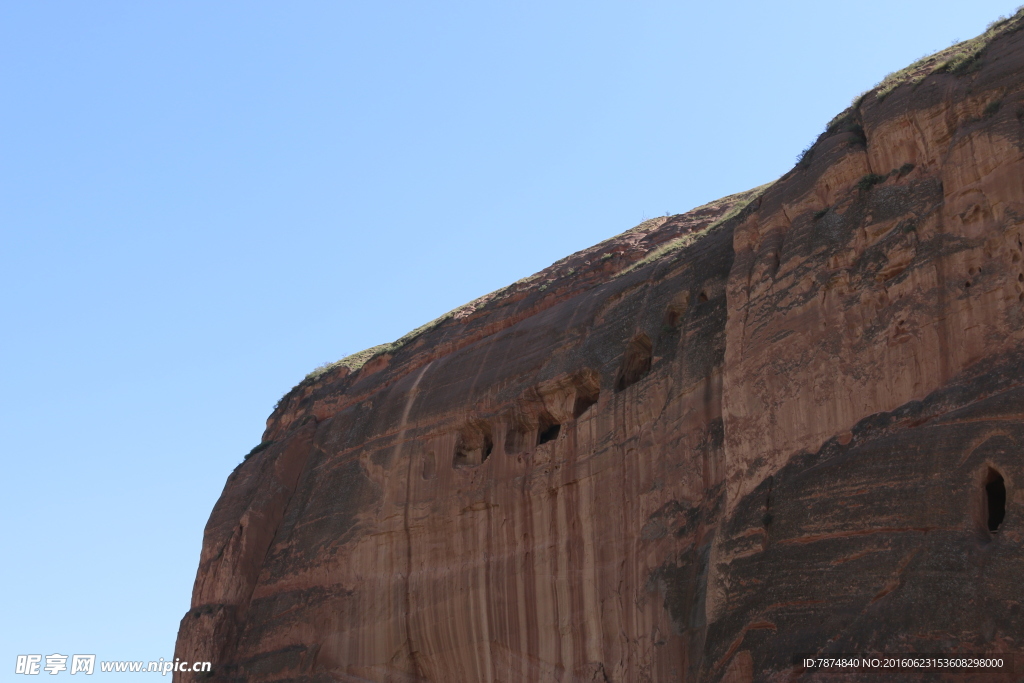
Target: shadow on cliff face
x,y
324,513
904,539
682,581
636,362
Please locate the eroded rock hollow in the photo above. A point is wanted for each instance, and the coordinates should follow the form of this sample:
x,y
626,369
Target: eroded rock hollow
x,y
786,422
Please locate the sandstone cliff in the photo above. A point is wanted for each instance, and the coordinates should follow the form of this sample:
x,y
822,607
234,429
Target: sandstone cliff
x,y
786,422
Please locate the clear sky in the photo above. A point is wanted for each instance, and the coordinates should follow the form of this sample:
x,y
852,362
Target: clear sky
x,y
202,201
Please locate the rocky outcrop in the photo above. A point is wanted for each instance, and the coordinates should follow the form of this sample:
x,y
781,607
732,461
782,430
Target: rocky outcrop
x,y
786,422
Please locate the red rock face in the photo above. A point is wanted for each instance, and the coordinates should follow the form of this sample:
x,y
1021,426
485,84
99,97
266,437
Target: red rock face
x,y
787,422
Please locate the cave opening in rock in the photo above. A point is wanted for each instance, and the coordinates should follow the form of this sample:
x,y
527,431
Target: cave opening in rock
x,y
636,362
582,403
675,310
464,457
472,447
428,465
516,438
995,499
548,433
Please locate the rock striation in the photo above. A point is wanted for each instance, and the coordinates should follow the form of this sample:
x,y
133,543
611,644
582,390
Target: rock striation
x,y
787,422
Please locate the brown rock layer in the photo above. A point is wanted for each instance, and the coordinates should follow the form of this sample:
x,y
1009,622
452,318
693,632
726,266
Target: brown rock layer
x,y
712,443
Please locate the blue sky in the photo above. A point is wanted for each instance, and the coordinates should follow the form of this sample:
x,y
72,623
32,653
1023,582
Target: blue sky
x,y
200,202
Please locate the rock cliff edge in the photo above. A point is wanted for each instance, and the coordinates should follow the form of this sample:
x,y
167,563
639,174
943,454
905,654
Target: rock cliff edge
x,y
790,421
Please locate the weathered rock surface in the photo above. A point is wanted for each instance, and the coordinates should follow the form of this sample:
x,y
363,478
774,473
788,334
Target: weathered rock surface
x,y
777,424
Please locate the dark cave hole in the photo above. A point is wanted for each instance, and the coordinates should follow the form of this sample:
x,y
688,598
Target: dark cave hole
x,y
636,362
675,310
472,454
995,497
582,403
703,296
549,433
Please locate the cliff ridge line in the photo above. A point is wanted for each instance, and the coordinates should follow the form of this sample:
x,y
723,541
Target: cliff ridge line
x,y
788,422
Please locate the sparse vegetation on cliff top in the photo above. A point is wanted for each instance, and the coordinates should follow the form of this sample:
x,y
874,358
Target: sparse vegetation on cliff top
x,y
961,58
742,200
357,360
958,59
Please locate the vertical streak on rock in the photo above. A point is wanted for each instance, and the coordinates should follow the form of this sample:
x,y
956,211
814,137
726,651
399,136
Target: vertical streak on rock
x,y
531,632
576,557
942,305
627,614
553,550
489,594
405,521
705,473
